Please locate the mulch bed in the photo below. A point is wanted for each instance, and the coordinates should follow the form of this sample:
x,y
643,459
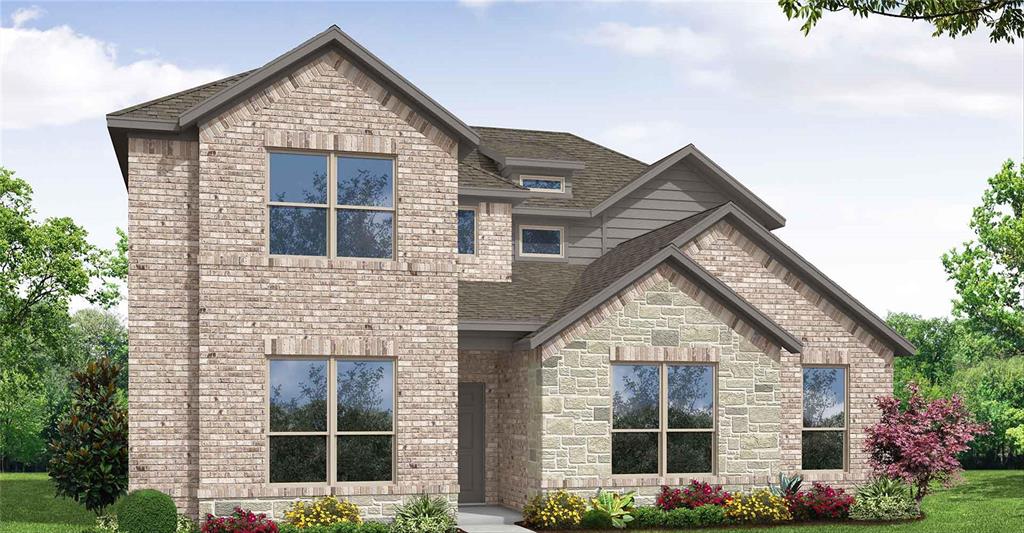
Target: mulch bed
x,y
815,523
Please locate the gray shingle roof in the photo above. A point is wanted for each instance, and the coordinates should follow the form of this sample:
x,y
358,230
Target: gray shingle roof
x,y
170,107
606,170
471,175
534,294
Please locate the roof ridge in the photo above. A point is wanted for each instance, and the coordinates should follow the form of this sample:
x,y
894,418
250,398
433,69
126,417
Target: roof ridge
x,y
183,92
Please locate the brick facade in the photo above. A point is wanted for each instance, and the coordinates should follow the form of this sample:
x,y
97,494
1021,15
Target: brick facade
x,y
493,258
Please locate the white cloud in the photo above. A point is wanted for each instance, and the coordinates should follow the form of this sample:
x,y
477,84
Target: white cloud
x,y
26,14
872,67
57,76
677,42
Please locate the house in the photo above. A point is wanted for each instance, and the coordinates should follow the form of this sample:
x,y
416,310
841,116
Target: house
x,y
338,287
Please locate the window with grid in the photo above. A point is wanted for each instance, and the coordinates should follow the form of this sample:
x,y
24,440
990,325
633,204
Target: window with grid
x,y
823,439
663,418
331,419
355,193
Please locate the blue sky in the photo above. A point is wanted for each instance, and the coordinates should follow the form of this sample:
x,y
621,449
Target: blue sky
x,y
872,137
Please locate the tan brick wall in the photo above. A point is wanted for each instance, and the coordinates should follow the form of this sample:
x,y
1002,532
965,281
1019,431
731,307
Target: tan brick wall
x,y
205,297
163,307
827,336
493,258
509,408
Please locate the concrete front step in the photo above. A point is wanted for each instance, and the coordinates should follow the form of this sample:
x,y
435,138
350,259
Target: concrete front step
x,y
489,519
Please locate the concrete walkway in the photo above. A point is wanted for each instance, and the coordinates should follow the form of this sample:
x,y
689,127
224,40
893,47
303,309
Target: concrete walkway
x,y
489,519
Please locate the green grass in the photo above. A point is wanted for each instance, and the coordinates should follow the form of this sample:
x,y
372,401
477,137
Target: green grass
x,y
28,505
989,501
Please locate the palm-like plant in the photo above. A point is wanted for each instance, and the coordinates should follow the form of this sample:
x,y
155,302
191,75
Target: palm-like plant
x,y
788,485
617,507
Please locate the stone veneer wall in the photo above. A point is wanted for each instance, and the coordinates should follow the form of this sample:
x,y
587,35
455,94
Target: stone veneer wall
x,y
828,336
493,258
163,326
202,356
509,407
659,318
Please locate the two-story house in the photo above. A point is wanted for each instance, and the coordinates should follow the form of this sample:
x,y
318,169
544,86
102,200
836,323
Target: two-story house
x,y
338,287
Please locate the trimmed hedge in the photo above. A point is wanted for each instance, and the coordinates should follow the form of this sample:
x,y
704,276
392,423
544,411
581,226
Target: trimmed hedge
x,y
146,511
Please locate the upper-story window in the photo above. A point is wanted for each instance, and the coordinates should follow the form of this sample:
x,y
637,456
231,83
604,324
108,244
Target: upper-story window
x,y
663,418
824,421
540,241
543,183
331,205
467,231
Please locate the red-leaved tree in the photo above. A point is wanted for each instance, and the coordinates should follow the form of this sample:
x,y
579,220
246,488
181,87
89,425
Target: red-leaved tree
x,y
920,444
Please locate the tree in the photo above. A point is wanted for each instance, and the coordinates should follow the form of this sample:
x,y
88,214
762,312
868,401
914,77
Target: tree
x,y
43,265
89,455
989,272
920,444
1004,18
22,416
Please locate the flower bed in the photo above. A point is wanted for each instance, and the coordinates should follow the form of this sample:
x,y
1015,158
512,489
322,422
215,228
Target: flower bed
x,y
700,505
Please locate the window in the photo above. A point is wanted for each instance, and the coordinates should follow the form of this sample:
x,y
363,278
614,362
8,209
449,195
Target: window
x,y
357,191
663,419
540,241
467,231
824,421
543,183
331,419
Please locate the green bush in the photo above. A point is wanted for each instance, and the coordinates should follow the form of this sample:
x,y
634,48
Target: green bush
x,y
424,514
375,527
594,519
146,511
709,515
884,508
680,517
185,525
648,517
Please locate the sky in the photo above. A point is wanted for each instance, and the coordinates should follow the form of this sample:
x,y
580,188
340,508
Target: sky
x,y
872,137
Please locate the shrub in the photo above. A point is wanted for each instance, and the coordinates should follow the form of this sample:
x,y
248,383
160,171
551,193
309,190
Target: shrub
x,y
424,514
617,507
680,517
669,498
757,507
555,510
240,521
699,493
884,508
105,524
89,451
594,519
375,527
185,525
323,512
146,511
822,501
648,517
787,486
709,515
884,499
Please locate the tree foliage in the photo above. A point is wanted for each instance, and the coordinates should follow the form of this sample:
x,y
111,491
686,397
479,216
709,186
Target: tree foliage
x,y
89,454
920,444
22,418
1003,18
989,272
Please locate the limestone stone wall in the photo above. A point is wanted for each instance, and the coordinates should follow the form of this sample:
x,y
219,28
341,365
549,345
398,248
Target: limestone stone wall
x,y
493,258
659,318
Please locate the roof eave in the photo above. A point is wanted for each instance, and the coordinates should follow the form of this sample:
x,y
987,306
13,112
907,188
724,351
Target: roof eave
x,y
672,254
467,138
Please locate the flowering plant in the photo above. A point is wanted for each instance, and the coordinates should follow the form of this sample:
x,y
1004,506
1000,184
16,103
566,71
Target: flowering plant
x,y
240,521
699,493
323,512
920,444
669,498
556,510
760,506
822,501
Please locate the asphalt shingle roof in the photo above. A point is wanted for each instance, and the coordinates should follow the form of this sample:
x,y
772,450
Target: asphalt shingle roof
x,y
606,171
534,294
172,106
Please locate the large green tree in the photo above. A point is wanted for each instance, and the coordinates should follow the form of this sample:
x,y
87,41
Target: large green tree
x,y
1003,18
988,272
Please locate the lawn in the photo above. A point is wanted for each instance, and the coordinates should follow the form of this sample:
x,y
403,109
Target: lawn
x,y
990,501
27,505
